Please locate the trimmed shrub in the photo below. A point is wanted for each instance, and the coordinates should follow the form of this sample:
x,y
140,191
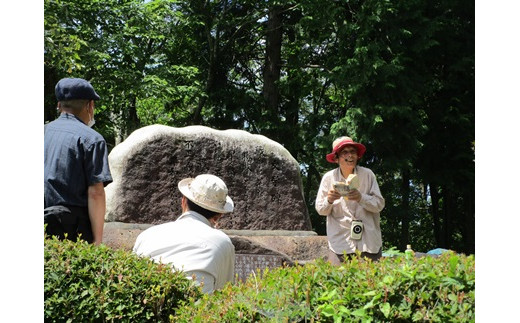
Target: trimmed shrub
x,y
395,289
88,283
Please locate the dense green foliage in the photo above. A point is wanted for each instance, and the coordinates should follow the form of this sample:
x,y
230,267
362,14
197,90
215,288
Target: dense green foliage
x,y
396,289
87,283
395,75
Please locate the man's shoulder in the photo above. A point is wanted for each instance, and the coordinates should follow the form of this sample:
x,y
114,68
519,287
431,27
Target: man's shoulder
x,y
55,124
90,133
221,234
223,241
158,227
74,127
214,237
155,232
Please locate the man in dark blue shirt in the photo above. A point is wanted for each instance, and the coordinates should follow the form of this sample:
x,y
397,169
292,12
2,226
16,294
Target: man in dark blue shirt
x,y
76,167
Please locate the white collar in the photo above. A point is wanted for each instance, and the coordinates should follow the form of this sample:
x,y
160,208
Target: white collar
x,y
196,216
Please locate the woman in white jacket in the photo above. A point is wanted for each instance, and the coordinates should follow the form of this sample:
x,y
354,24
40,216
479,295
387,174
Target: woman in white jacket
x,y
353,220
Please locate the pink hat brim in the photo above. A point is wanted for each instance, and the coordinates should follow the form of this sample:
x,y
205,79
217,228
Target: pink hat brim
x,y
331,158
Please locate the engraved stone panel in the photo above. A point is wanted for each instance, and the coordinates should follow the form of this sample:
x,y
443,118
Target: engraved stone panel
x,y
262,177
246,264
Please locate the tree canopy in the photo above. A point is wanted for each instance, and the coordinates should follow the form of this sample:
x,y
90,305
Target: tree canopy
x,y
397,76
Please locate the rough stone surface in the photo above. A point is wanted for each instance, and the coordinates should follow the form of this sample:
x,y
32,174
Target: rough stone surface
x,y
122,235
262,177
246,246
299,248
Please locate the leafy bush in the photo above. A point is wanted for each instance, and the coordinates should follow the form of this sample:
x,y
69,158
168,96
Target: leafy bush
x,y
85,283
394,289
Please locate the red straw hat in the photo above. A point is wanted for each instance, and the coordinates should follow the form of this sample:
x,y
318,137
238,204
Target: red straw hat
x,y
340,143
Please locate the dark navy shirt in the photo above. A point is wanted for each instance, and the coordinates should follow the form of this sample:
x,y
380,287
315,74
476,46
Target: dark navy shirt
x,y
76,157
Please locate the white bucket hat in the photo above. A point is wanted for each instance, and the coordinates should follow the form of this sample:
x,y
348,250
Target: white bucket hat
x,y
207,191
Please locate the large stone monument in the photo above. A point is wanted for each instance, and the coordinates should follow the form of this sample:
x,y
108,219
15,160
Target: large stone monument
x,y
269,226
262,177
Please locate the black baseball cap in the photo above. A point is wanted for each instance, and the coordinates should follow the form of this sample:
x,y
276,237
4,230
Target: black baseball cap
x,y
75,89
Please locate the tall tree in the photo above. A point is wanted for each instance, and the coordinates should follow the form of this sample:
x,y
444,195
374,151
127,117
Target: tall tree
x,y
273,59
119,46
394,80
397,76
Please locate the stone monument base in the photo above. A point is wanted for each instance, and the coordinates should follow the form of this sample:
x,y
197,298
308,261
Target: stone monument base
x,y
254,249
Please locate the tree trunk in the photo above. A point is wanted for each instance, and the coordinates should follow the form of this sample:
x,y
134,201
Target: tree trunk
x,y
210,80
313,180
468,232
291,111
119,136
132,123
213,43
273,52
434,209
405,192
446,221
50,79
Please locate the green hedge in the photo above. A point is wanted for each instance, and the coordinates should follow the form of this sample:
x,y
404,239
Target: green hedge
x,y
87,283
392,290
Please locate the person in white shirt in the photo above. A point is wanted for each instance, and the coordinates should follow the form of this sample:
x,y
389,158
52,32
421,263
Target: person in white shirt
x,y
362,204
191,243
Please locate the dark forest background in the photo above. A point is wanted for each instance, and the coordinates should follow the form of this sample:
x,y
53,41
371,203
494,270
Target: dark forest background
x,y
398,76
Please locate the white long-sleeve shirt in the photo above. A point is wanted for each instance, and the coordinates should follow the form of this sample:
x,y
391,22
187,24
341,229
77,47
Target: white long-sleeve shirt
x,y
192,245
341,213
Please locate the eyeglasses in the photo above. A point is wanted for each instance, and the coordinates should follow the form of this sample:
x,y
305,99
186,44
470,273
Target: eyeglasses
x,y
346,152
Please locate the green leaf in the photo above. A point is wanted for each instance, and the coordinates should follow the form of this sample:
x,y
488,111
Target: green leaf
x,y
359,312
370,293
385,309
388,280
453,261
327,310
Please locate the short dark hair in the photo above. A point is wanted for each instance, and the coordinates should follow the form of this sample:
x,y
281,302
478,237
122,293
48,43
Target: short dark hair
x,y
199,209
74,105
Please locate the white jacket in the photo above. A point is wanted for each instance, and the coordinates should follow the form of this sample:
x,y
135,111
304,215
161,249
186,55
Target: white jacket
x,y
341,213
192,245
